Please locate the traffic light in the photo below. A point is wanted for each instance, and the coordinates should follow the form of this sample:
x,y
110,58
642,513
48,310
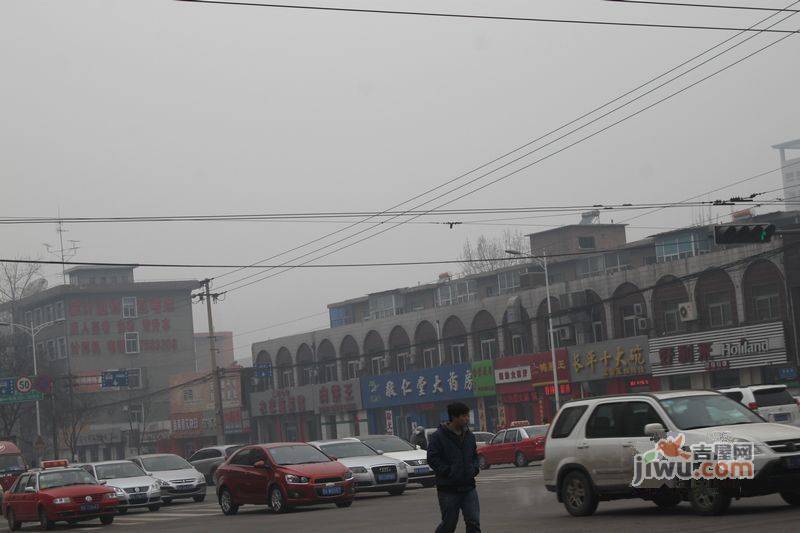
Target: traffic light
x,y
744,233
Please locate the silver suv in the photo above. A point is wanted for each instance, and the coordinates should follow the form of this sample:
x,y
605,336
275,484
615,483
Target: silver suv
x,y
592,446
772,402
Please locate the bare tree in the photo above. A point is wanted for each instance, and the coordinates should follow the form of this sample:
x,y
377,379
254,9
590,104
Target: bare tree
x,y
488,254
139,428
73,415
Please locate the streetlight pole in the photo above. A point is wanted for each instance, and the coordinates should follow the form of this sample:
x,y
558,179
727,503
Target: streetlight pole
x,y
543,262
33,331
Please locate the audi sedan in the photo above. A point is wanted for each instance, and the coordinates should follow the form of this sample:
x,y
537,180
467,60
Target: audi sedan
x,y
373,472
179,480
140,490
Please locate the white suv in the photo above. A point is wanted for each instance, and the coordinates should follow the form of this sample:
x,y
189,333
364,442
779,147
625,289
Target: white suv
x,y
772,402
589,455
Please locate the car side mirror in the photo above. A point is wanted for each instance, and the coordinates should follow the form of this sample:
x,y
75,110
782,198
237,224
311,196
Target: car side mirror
x,y
30,489
655,430
379,452
419,447
102,482
333,458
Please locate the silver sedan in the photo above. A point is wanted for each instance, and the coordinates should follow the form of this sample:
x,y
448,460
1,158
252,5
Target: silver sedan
x,y
372,472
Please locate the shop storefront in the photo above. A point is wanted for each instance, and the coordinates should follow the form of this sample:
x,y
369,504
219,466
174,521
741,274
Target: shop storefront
x,y
340,409
397,403
485,396
525,388
616,366
717,359
287,415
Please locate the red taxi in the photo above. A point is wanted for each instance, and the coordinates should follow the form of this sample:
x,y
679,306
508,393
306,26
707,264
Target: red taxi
x,y
282,476
518,446
12,464
58,493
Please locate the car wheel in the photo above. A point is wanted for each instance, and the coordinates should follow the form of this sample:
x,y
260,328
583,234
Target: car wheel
x,y
226,502
792,498
397,492
199,499
708,500
13,523
122,510
106,520
578,494
519,460
482,463
153,508
342,505
276,500
44,522
667,499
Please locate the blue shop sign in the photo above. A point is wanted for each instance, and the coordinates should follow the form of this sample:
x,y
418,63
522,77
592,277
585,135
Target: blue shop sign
x,y
444,383
114,378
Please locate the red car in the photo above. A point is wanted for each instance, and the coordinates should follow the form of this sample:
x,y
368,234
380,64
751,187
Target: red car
x,y
518,446
58,493
282,476
12,464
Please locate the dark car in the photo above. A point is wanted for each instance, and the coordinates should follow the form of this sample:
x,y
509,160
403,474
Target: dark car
x,y
207,460
282,476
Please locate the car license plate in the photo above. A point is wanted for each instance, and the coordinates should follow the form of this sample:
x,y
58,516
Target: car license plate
x,y
781,417
793,462
331,491
422,470
387,477
86,507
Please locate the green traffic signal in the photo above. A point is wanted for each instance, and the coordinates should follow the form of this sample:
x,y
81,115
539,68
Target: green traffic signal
x,y
744,233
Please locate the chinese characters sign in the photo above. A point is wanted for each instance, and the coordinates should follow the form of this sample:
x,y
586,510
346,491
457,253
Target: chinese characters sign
x,y
742,347
340,397
610,359
418,386
285,401
512,375
483,378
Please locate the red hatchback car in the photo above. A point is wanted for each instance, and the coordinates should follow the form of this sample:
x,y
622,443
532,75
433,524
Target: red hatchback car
x,y
282,476
58,494
518,446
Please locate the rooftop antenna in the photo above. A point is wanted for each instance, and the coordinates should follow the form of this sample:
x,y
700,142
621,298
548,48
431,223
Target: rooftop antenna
x,y
66,254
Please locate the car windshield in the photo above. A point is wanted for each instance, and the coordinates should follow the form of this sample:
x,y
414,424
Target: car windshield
x,y
389,444
343,450
703,411
62,478
118,471
162,463
483,437
535,431
299,454
11,462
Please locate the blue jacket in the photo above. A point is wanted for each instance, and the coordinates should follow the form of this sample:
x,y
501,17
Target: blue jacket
x,y
454,459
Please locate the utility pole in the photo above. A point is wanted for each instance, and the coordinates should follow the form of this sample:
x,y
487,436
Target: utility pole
x,y
212,348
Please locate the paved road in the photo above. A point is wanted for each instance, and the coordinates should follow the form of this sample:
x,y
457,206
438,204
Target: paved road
x,y
512,500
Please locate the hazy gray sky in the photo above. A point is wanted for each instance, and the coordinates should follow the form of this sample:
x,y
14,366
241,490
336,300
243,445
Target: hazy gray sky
x,y
147,107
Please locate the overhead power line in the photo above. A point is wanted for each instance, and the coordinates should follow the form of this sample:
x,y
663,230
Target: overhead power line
x,y
481,17
714,6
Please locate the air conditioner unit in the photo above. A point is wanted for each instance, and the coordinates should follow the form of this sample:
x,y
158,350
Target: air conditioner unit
x,y
638,309
687,311
563,333
643,324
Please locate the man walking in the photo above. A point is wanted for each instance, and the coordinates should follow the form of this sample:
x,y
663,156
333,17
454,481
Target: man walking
x,y
453,456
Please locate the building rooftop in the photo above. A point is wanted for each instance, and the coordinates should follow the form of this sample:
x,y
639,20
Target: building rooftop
x,y
788,145
89,268
562,228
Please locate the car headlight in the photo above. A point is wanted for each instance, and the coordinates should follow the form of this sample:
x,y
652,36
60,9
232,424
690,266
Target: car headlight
x,y
62,501
417,462
348,475
758,449
110,496
296,480
155,486
119,492
402,467
200,480
358,470
163,483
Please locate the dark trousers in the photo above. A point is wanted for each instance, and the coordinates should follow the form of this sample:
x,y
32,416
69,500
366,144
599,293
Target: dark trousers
x,y
451,503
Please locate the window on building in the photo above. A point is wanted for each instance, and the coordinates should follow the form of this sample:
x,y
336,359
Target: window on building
x,y
586,243
598,331
129,307
766,302
352,369
630,326
458,352
59,311
63,350
385,305
719,309
403,361
508,281
286,378
444,295
617,261
430,357
330,372
341,316
517,344
28,318
491,290
589,266
488,349
132,342
52,350
136,413
135,379
377,365
37,316
672,320
308,373
40,349
48,313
